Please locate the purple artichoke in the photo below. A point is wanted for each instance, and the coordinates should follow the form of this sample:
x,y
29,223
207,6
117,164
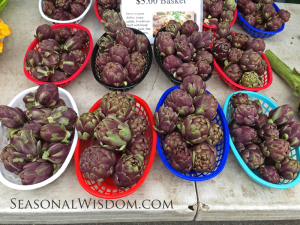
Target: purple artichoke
x,y
262,119
260,27
113,133
268,130
64,55
105,43
171,63
220,51
238,99
180,102
206,105
288,168
51,60
181,38
29,100
128,171
44,32
234,72
249,8
188,27
59,14
56,153
126,37
216,9
257,105
28,148
250,61
48,8
233,124
241,3
83,35
185,51
274,23
53,132
234,55
59,103
119,104
193,85
174,29
268,11
201,41
38,115
261,68
86,124
165,44
33,58
173,141
134,72
259,19
137,124
141,43
165,120
69,66
239,40
138,145
77,9
284,15
42,73
62,34
58,76
63,4
257,45
12,117
252,156
50,45
204,158
119,54
207,4
195,129
224,30
204,69
269,173
243,136
291,133
73,43
281,115
215,135
63,116
212,22
250,19
47,95
102,60
276,149
185,70
245,114
97,163
113,22
78,55
69,16
11,163
138,58
181,159
35,127
36,172
204,55
107,4
226,16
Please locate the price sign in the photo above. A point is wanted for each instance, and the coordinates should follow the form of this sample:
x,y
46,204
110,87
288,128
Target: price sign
x,y
149,16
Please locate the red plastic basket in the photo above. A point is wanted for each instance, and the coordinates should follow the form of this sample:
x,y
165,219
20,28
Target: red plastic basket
x,y
107,189
267,77
96,12
213,28
87,49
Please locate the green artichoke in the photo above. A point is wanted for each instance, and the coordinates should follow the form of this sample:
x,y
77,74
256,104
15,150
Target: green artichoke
x,y
251,79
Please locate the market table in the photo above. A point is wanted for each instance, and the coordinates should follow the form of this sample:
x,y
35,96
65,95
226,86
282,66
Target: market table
x,y
233,195
160,186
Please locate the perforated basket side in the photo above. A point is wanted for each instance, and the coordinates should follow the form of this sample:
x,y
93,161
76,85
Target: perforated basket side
x,y
222,148
12,180
267,105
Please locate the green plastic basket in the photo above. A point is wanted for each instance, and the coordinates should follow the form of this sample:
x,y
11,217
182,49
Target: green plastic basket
x,y
3,4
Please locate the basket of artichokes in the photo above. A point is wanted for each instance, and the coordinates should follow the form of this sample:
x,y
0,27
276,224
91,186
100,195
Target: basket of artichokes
x,y
122,57
192,133
116,145
264,139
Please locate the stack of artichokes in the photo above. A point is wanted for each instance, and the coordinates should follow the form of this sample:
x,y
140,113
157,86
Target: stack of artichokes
x,y
40,137
61,55
264,142
262,15
215,11
105,5
117,130
121,58
183,50
240,56
64,9
186,120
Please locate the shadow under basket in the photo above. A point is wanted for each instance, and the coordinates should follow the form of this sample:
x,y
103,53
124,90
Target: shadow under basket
x,y
160,61
97,74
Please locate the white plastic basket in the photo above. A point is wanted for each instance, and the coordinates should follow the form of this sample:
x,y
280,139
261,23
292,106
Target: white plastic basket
x,y
12,180
76,20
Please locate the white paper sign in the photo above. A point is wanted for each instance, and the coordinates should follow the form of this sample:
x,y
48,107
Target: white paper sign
x,y
149,16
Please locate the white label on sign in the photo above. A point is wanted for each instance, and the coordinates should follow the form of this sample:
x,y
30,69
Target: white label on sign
x,y
149,16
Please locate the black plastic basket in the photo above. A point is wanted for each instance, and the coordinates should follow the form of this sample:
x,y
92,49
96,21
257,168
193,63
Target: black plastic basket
x,y
97,74
160,61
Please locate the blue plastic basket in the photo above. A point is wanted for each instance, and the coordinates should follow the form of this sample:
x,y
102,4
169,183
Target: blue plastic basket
x,y
256,32
267,105
222,148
